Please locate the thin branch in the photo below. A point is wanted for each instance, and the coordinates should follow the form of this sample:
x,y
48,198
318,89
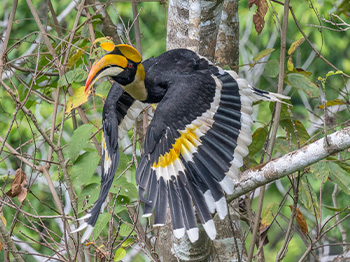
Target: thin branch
x,y
54,18
35,216
341,29
44,34
311,45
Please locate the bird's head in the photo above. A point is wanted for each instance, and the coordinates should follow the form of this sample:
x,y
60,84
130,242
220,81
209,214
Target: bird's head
x,y
123,65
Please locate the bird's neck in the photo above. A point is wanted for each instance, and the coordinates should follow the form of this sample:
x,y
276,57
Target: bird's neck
x,y
137,87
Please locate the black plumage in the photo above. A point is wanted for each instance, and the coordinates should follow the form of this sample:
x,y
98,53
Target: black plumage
x,y
196,141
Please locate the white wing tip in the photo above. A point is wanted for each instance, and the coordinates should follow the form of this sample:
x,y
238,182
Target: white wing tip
x,y
158,225
179,233
80,228
84,217
210,201
147,215
209,227
193,234
87,233
227,185
221,208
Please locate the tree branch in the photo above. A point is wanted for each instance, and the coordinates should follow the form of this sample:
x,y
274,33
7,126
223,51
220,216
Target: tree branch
x,y
291,162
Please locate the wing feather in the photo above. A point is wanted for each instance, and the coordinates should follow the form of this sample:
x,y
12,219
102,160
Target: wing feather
x,y
119,113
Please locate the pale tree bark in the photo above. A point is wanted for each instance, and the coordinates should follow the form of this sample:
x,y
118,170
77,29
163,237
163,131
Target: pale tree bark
x,y
211,12
209,28
177,25
227,44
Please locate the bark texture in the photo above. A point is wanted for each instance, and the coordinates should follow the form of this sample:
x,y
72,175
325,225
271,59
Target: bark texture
x,y
177,25
227,44
209,28
210,20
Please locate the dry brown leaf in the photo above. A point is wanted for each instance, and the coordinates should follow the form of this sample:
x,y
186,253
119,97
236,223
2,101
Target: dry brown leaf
x,y
299,217
0,246
258,18
17,186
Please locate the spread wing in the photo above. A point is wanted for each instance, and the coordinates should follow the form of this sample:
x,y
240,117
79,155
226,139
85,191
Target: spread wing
x,y
119,113
194,147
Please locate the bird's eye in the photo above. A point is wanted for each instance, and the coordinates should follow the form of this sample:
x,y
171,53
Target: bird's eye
x,y
130,65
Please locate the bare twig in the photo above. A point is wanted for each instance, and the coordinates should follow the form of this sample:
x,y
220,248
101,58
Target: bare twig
x,y
54,18
339,25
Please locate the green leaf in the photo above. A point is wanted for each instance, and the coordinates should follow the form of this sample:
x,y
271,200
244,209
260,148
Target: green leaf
x,y
302,133
128,242
282,145
77,99
125,231
91,191
268,213
84,167
66,79
272,68
75,57
30,102
335,209
79,139
101,223
333,102
79,75
259,138
103,89
320,170
342,164
340,177
331,73
302,82
76,75
121,203
126,188
263,54
308,198
119,254
294,46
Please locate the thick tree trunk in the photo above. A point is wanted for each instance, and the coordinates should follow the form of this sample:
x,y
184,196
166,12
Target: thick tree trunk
x,y
211,29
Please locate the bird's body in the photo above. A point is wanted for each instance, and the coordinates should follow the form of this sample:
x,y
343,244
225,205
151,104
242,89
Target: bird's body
x,y
196,141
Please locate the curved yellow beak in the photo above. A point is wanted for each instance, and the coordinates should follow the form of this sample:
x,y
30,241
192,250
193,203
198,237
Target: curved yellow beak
x,y
108,65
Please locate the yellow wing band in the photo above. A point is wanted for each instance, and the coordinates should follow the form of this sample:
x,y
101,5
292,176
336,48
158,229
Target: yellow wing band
x,y
186,141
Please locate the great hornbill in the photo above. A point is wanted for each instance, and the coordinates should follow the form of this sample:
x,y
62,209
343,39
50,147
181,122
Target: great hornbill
x,y
195,143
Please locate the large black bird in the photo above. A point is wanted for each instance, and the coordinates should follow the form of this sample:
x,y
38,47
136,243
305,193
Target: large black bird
x,y
195,143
